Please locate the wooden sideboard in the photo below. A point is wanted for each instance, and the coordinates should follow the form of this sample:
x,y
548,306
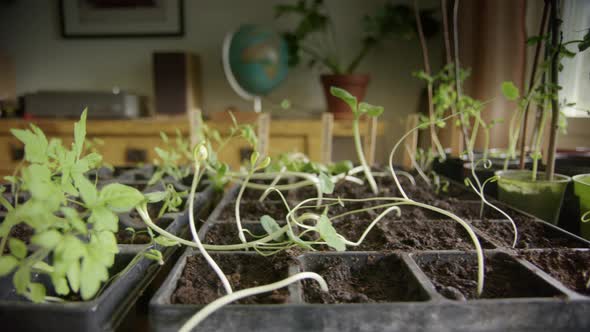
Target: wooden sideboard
x,y
129,142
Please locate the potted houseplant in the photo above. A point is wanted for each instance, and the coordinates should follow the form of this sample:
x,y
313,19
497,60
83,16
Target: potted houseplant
x,y
582,190
315,24
540,193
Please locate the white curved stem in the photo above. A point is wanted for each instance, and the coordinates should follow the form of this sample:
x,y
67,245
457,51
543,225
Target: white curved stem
x,y
222,301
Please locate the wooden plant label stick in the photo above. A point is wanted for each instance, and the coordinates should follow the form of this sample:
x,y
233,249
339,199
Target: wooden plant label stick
x,y
263,132
327,136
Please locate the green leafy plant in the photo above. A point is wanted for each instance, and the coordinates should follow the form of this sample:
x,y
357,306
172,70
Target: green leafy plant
x,y
543,91
314,36
171,158
358,110
74,223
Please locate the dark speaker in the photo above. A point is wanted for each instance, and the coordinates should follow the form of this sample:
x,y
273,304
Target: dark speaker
x,y
177,78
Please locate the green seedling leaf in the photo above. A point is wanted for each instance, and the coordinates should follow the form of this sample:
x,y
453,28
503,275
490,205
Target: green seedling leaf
x,y
254,158
166,242
7,264
36,144
92,274
17,247
154,255
271,226
346,97
156,196
48,239
42,266
104,219
326,184
341,167
74,219
370,110
119,197
22,279
73,275
61,285
329,234
37,292
70,249
510,91
87,189
80,134
107,242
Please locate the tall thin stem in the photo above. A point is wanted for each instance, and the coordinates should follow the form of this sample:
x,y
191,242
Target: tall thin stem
x,y
361,155
531,83
427,70
555,44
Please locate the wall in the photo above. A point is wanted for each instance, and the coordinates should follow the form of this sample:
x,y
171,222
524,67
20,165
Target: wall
x,y
29,33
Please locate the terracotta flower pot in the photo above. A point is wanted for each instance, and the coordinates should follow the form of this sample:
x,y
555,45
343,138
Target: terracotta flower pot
x,y
354,84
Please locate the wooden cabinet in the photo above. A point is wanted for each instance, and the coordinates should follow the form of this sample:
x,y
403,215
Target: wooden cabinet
x,y
129,142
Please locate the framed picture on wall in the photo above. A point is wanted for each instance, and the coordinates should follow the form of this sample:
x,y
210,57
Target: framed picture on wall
x,y
121,18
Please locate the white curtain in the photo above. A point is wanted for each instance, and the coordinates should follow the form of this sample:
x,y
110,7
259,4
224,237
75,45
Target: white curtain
x,y
575,77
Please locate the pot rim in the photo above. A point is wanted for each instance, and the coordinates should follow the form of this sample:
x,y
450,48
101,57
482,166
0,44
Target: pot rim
x,y
582,178
509,174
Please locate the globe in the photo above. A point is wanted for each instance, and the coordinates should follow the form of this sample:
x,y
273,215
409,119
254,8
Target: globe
x,y
258,59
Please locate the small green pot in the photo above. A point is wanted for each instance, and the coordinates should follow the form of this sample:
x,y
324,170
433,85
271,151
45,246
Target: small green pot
x,y
582,190
540,198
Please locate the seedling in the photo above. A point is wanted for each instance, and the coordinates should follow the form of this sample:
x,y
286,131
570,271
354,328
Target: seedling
x,y
73,247
358,110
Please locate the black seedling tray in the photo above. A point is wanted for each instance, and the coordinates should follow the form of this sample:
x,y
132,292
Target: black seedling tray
x,y
104,313
529,297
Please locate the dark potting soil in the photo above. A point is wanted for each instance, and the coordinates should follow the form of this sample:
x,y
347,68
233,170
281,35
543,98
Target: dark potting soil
x,y
254,194
409,235
570,267
124,236
455,277
227,233
253,210
22,232
353,280
531,235
199,284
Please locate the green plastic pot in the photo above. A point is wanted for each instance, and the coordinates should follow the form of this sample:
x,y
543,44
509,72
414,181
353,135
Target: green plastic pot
x,y
541,198
582,190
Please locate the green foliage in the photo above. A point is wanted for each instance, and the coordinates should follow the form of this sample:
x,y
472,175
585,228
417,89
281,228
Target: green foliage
x,y
74,247
510,91
387,22
171,158
271,226
329,234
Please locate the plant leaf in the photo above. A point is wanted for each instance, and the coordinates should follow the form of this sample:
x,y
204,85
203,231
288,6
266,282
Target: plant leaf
x,y
370,110
48,239
156,196
165,242
329,234
92,274
326,184
7,264
17,247
510,91
21,279
73,274
119,197
104,219
37,292
270,226
346,97
61,285
80,134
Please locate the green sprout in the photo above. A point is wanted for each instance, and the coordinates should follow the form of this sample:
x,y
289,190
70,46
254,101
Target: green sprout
x,y
75,248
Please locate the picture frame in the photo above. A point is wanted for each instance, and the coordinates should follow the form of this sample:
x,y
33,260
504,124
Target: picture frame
x,y
121,18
